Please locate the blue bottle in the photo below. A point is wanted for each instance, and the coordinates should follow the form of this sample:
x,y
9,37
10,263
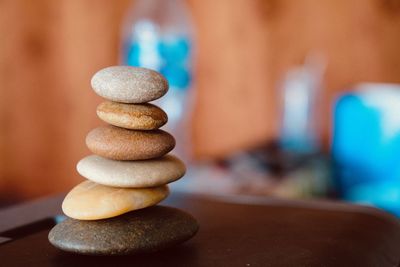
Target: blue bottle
x,y
158,34
366,145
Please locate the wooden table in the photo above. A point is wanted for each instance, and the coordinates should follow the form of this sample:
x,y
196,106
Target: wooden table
x,y
256,232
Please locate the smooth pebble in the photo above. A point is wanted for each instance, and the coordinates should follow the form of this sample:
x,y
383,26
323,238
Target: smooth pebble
x,y
137,174
146,230
132,116
122,144
129,84
92,201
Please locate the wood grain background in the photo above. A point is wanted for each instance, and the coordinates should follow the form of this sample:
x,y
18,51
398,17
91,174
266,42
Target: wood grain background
x,y
50,49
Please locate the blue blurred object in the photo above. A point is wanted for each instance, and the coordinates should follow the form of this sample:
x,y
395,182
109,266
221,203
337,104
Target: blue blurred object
x,y
300,92
384,195
366,145
158,35
169,56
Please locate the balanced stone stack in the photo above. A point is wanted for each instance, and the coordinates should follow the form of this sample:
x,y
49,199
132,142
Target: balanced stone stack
x,y
114,212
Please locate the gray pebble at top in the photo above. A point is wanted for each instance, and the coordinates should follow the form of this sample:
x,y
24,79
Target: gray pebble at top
x,y
129,84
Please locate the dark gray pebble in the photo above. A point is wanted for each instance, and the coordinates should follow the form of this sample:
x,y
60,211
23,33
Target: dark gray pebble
x,y
145,230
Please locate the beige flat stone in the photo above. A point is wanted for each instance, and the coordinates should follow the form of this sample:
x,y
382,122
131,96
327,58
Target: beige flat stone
x,y
132,116
129,84
137,174
122,144
92,201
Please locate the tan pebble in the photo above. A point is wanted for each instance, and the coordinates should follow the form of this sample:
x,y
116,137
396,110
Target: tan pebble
x,y
92,201
132,116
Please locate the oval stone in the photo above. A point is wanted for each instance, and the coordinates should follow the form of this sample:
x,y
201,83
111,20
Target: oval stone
x,y
92,201
122,144
146,230
141,173
132,116
129,84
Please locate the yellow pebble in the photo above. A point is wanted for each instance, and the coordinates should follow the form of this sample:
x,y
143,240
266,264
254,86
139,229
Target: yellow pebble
x,y
92,201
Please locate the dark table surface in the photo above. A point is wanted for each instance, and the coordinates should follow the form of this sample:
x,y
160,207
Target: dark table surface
x,y
254,232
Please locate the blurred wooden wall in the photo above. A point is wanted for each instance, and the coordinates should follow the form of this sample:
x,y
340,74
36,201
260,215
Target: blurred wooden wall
x,y
50,49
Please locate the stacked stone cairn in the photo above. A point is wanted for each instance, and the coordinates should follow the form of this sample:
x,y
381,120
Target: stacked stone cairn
x,y
114,212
